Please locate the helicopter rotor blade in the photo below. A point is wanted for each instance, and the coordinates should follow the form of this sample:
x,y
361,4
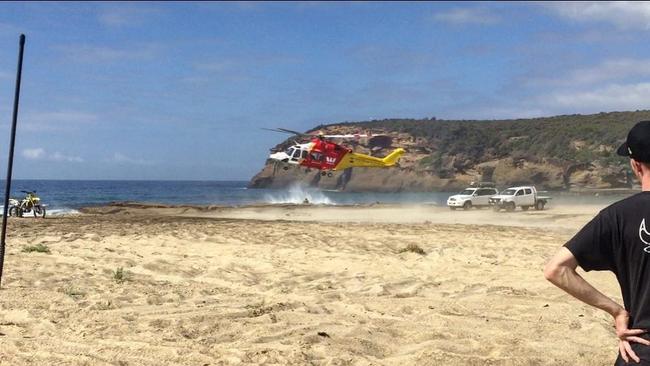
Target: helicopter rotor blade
x,y
274,130
292,131
310,135
284,130
346,136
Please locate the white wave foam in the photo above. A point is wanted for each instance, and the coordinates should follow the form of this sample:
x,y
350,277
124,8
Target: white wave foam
x,y
62,211
51,211
298,194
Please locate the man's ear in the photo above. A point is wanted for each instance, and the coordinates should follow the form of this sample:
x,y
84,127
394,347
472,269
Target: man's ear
x,y
637,167
645,167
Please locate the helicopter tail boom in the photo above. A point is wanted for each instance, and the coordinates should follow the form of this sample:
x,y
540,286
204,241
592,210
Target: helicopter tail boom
x,y
392,158
361,160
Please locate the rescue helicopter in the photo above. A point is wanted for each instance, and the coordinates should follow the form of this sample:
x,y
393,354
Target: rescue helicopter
x,y
323,154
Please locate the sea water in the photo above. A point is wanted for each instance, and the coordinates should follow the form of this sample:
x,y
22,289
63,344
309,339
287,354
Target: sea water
x,y
67,196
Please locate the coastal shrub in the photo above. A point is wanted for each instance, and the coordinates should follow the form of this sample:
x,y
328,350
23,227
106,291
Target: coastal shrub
x,y
544,138
39,248
120,275
74,292
413,248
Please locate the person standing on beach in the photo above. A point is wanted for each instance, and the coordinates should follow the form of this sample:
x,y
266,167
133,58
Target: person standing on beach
x,y
617,240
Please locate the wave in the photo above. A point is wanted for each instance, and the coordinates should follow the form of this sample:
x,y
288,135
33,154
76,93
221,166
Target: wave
x,y
64,211
298,194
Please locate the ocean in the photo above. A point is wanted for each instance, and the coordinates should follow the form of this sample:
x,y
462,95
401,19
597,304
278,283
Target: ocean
x,y
67,196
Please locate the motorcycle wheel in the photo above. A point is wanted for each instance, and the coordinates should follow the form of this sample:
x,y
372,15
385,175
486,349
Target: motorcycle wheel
x,y
39,211
13,211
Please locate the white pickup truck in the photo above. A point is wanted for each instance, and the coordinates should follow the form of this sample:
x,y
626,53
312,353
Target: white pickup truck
x,y
524,197
471,197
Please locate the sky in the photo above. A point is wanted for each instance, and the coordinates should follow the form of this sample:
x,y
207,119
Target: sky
x,y
181,90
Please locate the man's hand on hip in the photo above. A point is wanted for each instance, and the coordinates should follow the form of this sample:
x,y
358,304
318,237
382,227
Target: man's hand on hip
x,y
626,336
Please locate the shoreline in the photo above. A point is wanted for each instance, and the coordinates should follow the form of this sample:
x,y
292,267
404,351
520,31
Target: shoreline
x,y
559,218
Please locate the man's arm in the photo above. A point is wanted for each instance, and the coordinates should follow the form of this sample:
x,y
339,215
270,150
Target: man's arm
x,y
561,271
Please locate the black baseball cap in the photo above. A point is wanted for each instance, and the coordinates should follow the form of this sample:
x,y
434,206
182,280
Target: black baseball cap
x,y
637,145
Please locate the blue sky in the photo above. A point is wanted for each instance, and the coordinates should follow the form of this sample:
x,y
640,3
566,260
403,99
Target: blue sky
x,y
180,90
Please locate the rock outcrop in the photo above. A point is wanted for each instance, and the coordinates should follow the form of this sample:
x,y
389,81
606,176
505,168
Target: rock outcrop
x,y
550,153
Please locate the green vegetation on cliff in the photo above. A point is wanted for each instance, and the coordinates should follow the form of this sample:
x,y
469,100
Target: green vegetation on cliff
x,y
562,152
570,139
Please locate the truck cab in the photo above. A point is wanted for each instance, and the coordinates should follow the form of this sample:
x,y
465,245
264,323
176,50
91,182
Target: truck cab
x,y
513,197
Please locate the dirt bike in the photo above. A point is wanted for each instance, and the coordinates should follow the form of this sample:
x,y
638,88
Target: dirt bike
x,y
30,204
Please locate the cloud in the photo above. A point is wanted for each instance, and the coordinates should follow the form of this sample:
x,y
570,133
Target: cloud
x,y
391,60
217,66
7,29
248,5
612,85
254,60
119,158
622,14
611,97
34,154
509,112
57,156
609,70
231,6
467,16
564,100
612,70
63,116
238,68
56,120
41,154
125,15
92,54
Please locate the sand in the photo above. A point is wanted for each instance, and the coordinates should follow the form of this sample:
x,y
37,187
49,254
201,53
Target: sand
x,y
297,285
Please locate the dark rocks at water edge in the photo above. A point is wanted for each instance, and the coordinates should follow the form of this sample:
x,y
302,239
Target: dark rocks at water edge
x,y
571,152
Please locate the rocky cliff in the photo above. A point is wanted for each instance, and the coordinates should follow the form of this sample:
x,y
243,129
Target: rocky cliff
x,y
556,153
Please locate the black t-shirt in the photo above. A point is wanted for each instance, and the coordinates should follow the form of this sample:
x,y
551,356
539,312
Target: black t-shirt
x,y
618,240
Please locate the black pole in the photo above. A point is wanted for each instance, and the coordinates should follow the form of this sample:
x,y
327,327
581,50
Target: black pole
x,y
10,164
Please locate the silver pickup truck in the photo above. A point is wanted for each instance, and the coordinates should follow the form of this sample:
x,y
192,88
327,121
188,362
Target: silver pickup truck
x,y
524,197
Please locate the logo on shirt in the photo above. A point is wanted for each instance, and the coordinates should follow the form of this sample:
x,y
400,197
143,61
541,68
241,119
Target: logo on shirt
x,y
644,235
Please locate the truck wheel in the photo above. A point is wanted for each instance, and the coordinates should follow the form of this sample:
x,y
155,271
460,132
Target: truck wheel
x,y
525,208
510,206
539,205
467,205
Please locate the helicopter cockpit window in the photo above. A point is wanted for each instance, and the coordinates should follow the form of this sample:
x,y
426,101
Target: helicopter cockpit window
x,y
303,154
296,155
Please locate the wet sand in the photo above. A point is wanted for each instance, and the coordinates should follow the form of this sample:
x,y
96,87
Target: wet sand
x,y
297,285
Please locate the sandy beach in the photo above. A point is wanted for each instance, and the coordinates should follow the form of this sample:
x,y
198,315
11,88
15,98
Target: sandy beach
x,y
296,285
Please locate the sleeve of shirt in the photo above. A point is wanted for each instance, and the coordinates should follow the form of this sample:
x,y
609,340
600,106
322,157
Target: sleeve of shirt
x,y
593,245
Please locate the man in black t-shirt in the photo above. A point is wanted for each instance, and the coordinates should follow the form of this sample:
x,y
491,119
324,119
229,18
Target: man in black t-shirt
x,y
617,240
